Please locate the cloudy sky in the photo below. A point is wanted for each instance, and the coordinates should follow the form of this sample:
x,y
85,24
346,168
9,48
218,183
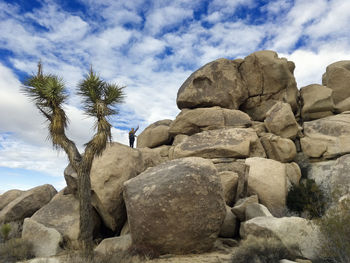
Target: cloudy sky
x,y
149,46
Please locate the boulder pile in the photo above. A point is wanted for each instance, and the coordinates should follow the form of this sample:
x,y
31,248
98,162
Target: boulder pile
x,y
221,169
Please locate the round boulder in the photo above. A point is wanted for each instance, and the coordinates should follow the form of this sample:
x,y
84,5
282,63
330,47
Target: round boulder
x,y
177,207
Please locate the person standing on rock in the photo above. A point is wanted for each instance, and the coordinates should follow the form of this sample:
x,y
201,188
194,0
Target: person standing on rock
x,y
132,136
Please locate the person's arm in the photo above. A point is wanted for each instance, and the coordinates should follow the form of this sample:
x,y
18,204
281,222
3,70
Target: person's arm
x,y
137,128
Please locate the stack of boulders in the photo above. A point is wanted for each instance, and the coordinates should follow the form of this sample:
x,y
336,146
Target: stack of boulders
x,y
221,170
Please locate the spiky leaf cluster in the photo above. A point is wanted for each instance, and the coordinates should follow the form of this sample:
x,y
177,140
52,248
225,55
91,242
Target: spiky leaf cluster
x,y
99,97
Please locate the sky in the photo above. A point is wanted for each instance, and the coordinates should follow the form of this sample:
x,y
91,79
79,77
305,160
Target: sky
x,y
150,47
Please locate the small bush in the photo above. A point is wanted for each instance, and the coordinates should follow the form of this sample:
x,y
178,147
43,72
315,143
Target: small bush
x,y
306,199
260,250
335,230
15,249
5,231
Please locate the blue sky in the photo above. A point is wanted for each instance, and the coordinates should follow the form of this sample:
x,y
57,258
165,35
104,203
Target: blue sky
x,y
149,46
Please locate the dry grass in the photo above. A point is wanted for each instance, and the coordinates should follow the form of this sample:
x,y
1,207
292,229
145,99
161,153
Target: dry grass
x,y
15,249
260,250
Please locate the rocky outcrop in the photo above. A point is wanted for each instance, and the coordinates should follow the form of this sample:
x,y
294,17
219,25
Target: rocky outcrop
x,y
317,102
280,121
297,234
337,78
241,205
202,119
176,207
45,241
155,135
232,142
229,227
268,179
217,83
8,197
328,137
27,203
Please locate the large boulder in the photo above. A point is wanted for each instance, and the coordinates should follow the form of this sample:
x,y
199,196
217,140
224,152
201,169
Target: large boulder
x,y
332,176
280,120
176,207
278,148
231,142
46,241
317,102
27,203
268,179
268,79
301,236
62,214
117,164
328,137
155,135
202,119
217,83
337,78
255,210
8,197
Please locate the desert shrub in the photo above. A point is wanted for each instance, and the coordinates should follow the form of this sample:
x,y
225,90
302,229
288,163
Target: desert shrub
x,y
335,233
261,250
5,231
306,199
15,249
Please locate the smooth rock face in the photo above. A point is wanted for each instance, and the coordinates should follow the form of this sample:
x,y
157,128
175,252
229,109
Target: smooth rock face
x,y
217,83
45,241
292,231
267,178
268,77
317,102
9,196
176,207
278,148
337,78
62,214
27,203
328,137
114,244
280,120
117,164
230,226
255,210
229,182
155,135
202,119
232,142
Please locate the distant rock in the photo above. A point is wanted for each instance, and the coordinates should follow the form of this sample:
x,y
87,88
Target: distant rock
x,y
26,204
155,135
176,207
337,78
217,83
202,119
278,148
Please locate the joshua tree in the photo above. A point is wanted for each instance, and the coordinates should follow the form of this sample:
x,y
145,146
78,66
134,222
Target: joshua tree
x,y
49,94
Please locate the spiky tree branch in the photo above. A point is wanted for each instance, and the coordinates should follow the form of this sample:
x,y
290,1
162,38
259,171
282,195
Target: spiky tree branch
x,y
48,93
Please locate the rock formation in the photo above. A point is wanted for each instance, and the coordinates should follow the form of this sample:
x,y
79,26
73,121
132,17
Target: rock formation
x,y
220,171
